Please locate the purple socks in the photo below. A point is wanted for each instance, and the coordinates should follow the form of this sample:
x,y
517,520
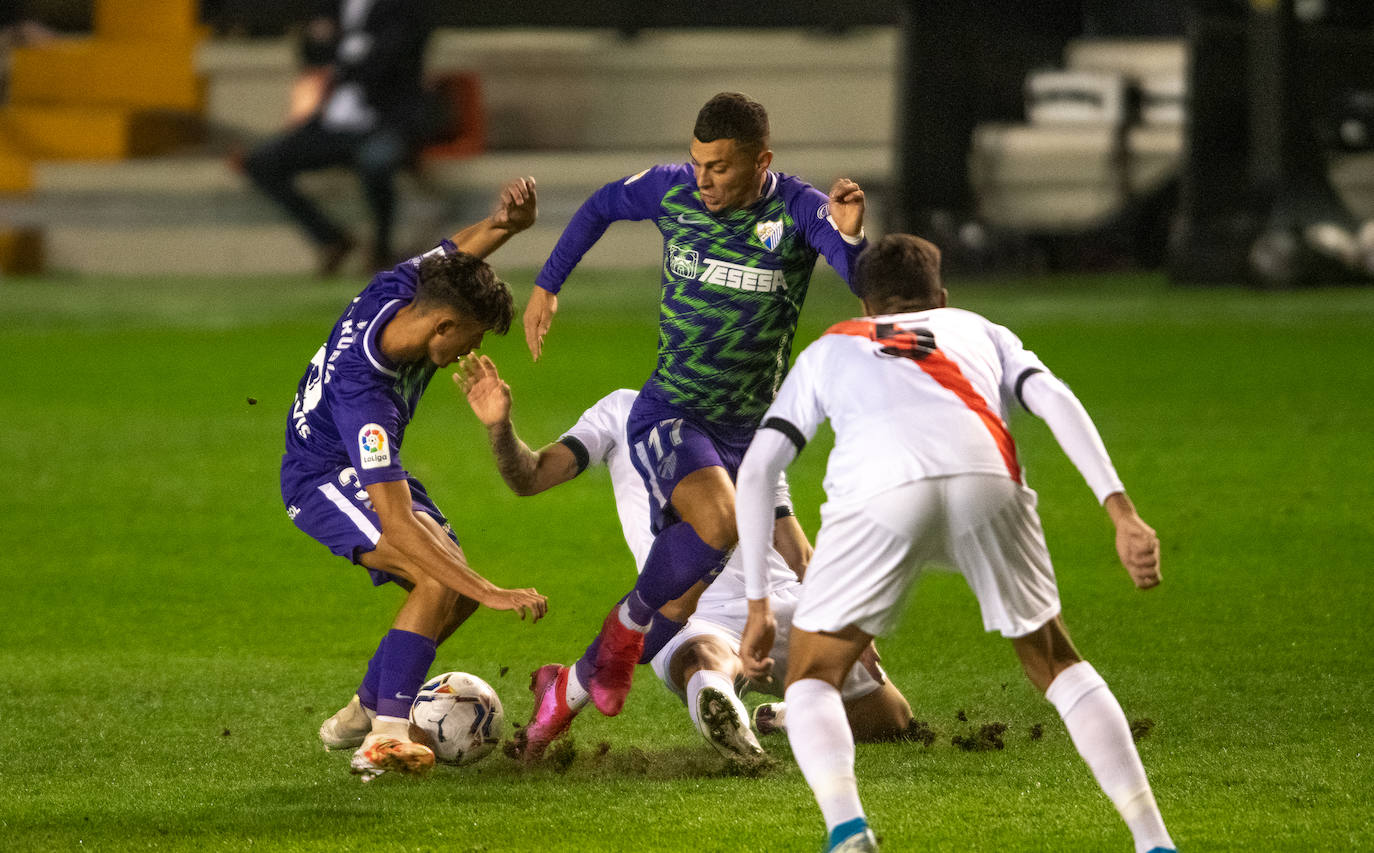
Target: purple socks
x,y
401,663
661,631
677,560
367,691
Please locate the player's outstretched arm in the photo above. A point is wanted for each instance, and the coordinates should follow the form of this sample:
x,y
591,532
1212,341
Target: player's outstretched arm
x,y
516,209
408,547
524,471
1137,544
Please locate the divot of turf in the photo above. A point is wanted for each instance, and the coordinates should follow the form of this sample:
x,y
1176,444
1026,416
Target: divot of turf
x,y
917,731
1037,731
749,768
982,739
1141,728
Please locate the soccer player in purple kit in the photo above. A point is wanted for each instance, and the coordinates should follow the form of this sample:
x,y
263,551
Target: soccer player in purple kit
x,y
344,484
740,242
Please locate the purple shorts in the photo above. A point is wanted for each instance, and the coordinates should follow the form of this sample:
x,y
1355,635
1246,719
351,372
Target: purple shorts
x,y
334,510
668,443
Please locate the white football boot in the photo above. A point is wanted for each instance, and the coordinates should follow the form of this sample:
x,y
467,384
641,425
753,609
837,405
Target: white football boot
x,y
347,728
719,720
770,717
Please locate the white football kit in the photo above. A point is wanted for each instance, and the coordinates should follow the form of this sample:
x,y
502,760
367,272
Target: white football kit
x,y
722,610
924,469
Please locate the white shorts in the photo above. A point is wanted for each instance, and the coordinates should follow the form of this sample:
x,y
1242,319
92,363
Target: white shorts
x,y
982,525
724,620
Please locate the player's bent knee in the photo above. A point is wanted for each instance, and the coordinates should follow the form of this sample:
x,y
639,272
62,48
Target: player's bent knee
x,y
706,653
1046,652
715,529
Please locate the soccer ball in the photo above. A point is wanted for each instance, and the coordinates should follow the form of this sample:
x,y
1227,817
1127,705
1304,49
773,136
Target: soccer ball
x,y
458,716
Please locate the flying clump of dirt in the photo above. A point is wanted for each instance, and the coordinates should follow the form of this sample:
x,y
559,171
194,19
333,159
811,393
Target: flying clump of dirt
x,y
561,754
1141,728
513,747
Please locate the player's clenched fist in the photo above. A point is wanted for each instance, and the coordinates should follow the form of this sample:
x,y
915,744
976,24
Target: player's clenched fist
x,y
516,207
847,207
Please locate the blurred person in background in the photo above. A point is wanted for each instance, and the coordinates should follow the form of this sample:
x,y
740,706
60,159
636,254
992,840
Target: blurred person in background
x,y
360,103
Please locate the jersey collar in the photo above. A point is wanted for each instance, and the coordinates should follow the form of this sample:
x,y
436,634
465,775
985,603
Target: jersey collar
x,y
371,348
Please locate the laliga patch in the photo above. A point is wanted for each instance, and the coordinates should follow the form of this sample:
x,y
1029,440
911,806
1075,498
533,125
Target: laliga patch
x,y
373,449
769,234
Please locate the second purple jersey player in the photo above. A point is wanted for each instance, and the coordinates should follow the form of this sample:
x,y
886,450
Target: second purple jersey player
x,y
344,483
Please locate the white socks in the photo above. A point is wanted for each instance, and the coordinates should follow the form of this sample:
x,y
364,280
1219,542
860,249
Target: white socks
x,y
397,727
1099,731
711,678
626,619
577,694
824,748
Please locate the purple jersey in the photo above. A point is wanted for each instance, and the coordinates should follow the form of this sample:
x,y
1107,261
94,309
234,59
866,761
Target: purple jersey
x,y
733,283
353,404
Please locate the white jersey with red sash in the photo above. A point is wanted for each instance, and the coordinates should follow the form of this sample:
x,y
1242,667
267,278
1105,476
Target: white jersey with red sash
x,y
910,396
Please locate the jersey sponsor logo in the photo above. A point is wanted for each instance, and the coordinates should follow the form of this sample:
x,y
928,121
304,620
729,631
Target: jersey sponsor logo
x,y
373,450
635,177
293,511
769,234
740,277
682,261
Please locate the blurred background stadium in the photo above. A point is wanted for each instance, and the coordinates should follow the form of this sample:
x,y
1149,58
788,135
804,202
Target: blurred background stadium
x,y
1222,140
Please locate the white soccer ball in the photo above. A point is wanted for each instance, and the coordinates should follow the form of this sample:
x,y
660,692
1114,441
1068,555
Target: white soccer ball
x,y
459,716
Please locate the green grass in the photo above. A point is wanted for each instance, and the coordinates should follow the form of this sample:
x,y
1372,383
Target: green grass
x,y
169,642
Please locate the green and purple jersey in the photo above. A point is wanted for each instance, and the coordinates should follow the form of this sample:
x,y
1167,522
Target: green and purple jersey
x,y
733,283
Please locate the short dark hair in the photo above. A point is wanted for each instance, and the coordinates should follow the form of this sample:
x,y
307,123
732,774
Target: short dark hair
x,y
467,284
731,115
899,268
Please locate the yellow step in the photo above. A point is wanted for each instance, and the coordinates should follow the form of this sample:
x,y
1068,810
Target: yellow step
x,y
116,73
21,251
152,20
96,133
16,169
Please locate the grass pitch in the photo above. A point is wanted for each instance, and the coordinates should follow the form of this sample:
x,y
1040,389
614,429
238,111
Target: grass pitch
x,y
169,641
